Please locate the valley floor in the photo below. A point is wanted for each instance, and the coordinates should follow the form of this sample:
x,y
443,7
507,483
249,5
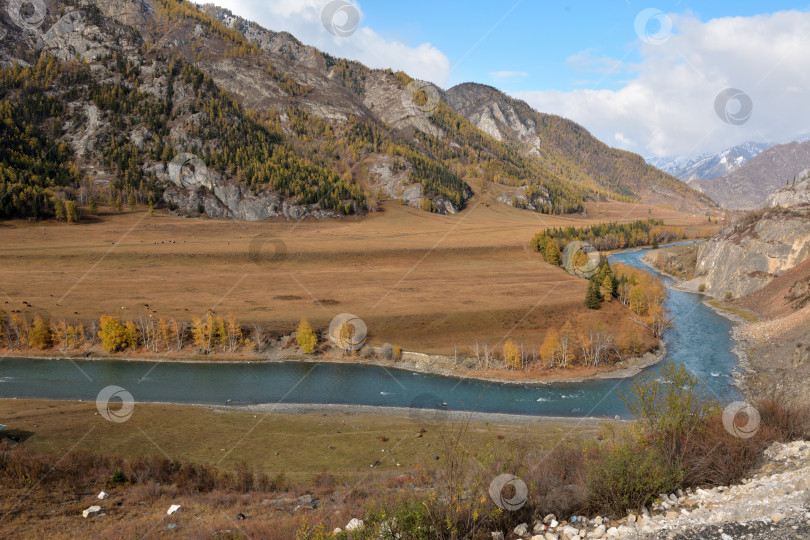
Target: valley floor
x,y
424,282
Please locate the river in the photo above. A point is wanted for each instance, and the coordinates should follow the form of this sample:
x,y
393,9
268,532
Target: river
x,y
700,340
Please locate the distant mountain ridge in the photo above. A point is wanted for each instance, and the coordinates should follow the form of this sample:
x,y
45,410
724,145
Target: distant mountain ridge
x,y
749,186
707,166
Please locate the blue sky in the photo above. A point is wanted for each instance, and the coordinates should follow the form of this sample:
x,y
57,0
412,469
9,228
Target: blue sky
x,y
533,37
647,89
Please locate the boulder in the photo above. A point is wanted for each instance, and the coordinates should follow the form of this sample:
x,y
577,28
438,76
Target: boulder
x,y
103,495
173,508
354,524
91,512
521,530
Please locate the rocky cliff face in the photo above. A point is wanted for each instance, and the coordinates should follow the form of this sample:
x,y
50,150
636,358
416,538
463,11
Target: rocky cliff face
x,y
747,255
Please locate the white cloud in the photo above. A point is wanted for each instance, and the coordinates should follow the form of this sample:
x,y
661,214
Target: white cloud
x,y
668,106
302,18
508,74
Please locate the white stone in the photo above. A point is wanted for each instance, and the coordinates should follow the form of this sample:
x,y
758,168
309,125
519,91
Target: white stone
x,y
554,523
549,518
570,531
354,524
173,508
599,531
91,512
521,530
497,535
552,536
103,495
337,530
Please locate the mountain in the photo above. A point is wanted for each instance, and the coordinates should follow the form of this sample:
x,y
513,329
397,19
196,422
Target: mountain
x,y
709,166
750,185
561,144
163,102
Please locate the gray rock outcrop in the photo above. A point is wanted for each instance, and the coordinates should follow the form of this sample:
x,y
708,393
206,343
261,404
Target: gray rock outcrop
x,y
795,195
747,256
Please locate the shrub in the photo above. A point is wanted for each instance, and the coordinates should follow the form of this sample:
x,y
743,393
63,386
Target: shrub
x,y
702,287
729,295
789,422
119,477
712,456
408,519
628,475
668,407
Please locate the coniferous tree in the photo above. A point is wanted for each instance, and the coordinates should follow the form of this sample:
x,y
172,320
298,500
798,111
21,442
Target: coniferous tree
x,y
593,299
552,253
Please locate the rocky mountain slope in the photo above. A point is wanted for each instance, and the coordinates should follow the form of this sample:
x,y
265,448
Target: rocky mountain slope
x,y
164,102
561,144
749,186
707,166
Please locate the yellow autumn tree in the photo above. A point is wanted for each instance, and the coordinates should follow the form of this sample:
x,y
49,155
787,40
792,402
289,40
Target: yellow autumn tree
x,y
512,355
202,332
551,343
111,333
306,337
40,335
131,335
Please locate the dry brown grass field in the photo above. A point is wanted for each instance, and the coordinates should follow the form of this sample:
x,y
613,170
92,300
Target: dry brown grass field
x,y
300,446
423,281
